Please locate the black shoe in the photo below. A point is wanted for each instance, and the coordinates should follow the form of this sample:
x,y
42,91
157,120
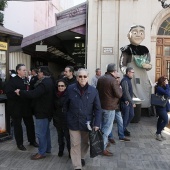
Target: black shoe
x,y
83,162
126,133
35,144
60,153
77,169
22,148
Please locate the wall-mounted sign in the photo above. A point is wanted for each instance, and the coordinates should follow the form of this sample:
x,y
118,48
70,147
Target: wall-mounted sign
x,y
3,45
2,118
107,50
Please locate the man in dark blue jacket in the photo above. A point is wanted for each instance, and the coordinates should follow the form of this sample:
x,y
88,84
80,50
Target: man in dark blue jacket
x,y
43,108
127,104
82,107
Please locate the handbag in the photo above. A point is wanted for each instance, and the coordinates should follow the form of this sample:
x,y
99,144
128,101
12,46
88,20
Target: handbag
x,y
157,100
96,143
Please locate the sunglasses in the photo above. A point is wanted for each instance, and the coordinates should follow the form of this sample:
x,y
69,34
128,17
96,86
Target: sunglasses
x,y
61,85
83,76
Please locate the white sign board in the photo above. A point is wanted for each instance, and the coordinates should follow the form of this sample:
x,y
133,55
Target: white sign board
x,y
107,50
2,118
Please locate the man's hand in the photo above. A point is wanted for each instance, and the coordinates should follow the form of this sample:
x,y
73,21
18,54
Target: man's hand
x,y
146,66
127,103
96,128
134,105
17,91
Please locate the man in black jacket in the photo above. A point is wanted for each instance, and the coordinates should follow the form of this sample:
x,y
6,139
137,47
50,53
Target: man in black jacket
x,y
34,78
20,108
43,96
69,78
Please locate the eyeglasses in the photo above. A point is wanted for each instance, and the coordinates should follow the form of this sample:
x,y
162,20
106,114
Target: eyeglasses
x,y
61,85
82,76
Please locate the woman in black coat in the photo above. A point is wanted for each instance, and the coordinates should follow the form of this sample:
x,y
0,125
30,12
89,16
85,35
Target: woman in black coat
x,y
59,118
162,89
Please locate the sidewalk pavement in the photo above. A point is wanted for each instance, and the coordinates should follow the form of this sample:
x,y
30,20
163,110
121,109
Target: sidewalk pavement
x,y
143,152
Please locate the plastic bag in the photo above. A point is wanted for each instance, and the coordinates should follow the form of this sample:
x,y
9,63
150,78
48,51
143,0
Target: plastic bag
x,y
96,143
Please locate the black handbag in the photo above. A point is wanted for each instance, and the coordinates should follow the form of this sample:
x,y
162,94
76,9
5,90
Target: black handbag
x,y
96,143
157,100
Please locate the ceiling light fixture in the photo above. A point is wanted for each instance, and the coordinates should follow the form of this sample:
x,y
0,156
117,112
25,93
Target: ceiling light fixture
x,y
77,37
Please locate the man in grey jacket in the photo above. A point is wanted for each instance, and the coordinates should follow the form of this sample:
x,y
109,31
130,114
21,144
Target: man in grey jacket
x,y
127,103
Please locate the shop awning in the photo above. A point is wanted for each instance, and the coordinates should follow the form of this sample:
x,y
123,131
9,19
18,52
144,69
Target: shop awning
x,y
15,38
69,24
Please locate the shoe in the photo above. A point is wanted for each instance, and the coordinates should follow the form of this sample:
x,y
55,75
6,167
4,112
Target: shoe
x,y
158,137
126,133
22,148
124,139
163,137
112,141
107,153
35,144
77,169
37,156
60,153
83,162
48,151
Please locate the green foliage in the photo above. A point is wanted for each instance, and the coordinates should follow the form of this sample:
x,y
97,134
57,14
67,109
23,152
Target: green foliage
x,y
3,4
1,18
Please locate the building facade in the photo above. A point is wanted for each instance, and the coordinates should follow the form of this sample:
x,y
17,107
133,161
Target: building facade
x,y
28,18
108,25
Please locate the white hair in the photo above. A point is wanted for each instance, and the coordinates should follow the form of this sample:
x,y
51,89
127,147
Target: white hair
x,y
82,69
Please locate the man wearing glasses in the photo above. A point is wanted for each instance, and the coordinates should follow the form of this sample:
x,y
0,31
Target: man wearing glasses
x,y
43,106
127,104
82,106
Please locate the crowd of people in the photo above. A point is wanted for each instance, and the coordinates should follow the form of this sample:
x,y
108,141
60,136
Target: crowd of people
x,y
73,105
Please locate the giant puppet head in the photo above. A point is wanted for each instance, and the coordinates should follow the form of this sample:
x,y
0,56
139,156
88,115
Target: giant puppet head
x,y
136,34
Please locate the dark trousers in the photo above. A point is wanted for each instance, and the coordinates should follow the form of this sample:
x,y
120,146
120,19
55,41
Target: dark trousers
x,y
127,114
162,120
63,133
18,132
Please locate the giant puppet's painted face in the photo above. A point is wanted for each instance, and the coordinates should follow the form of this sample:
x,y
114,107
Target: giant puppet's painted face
x,y
136,34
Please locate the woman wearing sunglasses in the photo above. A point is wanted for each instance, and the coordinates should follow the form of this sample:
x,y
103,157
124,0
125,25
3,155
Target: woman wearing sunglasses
x,y
59,118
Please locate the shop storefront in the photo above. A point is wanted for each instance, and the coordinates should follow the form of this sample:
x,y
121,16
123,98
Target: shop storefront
x,y
7,38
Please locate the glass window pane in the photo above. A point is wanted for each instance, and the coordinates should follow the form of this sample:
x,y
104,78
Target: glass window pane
x,y
167,51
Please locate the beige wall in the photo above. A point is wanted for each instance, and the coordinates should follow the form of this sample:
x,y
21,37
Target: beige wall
x,y
109,22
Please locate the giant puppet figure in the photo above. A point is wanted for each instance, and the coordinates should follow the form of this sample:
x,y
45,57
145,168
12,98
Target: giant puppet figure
x,y
137,56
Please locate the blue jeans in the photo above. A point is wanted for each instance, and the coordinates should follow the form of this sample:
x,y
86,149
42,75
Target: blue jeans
x,y
127,114
107,124
43,135
162,120
119,120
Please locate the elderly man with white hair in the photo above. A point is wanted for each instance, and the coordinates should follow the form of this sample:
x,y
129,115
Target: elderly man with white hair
x,y
82,106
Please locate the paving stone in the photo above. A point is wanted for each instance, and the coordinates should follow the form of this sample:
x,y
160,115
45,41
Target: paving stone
x,y
143,152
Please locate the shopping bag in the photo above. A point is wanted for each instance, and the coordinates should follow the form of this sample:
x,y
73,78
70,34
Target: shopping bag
x,y
96,143
157,100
